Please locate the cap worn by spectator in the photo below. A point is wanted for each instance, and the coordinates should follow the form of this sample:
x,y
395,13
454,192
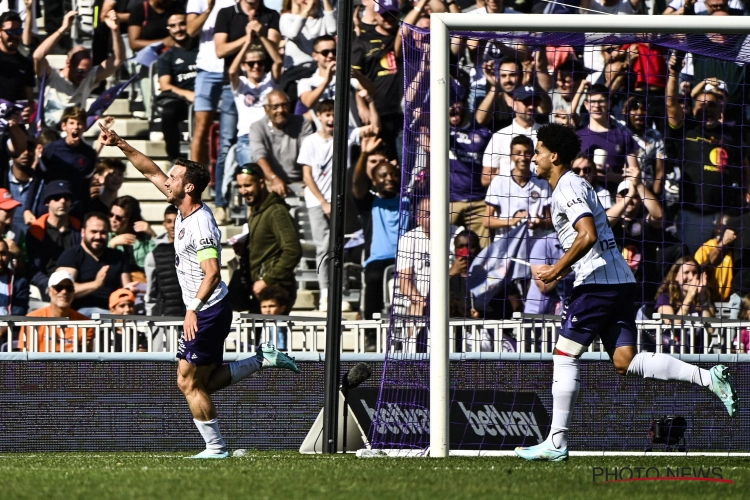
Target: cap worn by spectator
x,y
523,92
6,200
387,7
59,276
118,296
624,187
56,188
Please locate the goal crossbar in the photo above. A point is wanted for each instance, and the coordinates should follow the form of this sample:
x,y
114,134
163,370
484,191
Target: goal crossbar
x,y
440,27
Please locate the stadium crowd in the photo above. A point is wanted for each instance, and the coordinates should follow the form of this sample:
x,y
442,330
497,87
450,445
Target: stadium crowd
x,y
663,143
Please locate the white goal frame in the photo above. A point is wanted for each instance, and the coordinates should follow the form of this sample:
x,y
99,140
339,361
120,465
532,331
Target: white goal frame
x,y
440,28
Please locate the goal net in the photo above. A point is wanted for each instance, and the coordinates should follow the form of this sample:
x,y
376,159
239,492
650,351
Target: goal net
x,y
662,118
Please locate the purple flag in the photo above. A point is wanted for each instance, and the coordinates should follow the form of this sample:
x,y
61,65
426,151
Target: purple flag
x,y
104,101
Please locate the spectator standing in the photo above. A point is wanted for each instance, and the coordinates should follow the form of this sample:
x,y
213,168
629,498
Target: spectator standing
x,y
61,293
275,249
316,158
377,54
51,234
201,18
177,72
716,256
468,143
377,200
72,85
651,152
583,166
71,159
713,164
684,291
606,134
276,141
250,90
501,77
130,234
20,181
107,181
147,23
466,246
164,295
34,206
413,264
97,270
497,155
301,22
17,80
519,196
14,288
230,33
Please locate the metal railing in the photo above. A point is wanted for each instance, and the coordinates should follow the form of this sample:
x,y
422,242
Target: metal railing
x,y
524,333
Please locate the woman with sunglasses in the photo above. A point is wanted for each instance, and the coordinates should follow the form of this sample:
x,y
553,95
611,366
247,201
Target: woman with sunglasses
x,y
131,234
251,89
301,22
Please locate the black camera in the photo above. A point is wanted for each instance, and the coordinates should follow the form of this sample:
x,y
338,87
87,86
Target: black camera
x,y
670,431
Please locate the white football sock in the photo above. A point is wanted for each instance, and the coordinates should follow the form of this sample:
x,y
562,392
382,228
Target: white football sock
x,y
665,367
244,368
566,382
211,435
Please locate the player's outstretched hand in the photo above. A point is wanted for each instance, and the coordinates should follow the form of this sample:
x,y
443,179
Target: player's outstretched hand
x,y
108,137
190,325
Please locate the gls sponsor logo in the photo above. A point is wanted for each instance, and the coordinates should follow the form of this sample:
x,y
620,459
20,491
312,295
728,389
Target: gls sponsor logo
x,y
208,242
574,201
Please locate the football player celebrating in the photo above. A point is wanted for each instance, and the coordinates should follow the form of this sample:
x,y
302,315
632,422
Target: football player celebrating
x,y
200,371
601,303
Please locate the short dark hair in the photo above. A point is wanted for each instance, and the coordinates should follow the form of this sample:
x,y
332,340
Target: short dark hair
x,y
95,215
324,106
105,164
10,16
599,89
522,139
195,174
170,210
560,139
322,38
47,136
583,156
252,169
275,292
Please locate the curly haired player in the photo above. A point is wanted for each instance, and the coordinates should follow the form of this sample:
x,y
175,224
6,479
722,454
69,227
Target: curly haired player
x,y
601,302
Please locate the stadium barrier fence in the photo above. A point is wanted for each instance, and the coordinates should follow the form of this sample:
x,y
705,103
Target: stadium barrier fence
x,y
527,333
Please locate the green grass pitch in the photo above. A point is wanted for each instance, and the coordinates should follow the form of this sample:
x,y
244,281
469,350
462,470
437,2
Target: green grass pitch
x,y
281,475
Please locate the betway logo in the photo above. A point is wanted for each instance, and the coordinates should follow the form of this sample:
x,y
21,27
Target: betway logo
x,y
397,420
492,422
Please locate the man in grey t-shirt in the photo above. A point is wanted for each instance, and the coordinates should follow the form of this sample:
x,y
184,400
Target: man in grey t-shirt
x,y
275,143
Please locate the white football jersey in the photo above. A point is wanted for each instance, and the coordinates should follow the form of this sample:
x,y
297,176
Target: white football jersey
x,y
508,197
196,233
572,199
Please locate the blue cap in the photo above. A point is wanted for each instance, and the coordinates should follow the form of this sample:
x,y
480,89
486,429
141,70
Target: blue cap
x,y
55,188
523,92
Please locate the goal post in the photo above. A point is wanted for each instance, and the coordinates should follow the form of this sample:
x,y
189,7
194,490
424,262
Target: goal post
x,y
441,26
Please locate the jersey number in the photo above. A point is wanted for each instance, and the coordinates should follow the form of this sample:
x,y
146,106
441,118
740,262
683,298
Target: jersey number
x,y
607,244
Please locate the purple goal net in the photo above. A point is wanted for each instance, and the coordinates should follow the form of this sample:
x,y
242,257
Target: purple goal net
x,y
663,123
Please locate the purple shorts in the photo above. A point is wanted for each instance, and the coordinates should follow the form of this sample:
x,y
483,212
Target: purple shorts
x,y
207,348
606,311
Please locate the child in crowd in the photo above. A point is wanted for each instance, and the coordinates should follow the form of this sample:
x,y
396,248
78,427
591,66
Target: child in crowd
x,y
274,301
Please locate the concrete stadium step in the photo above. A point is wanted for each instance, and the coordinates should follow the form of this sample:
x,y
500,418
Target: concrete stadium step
x,y
155,150
125,127
57,61
142,190
121,107
132,173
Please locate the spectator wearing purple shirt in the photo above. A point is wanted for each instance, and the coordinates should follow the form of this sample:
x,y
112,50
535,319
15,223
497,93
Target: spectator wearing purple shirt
x,y
604,133
468,143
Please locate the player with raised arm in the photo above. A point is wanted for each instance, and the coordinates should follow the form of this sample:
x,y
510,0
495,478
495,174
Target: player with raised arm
x,y
601,302
208,320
